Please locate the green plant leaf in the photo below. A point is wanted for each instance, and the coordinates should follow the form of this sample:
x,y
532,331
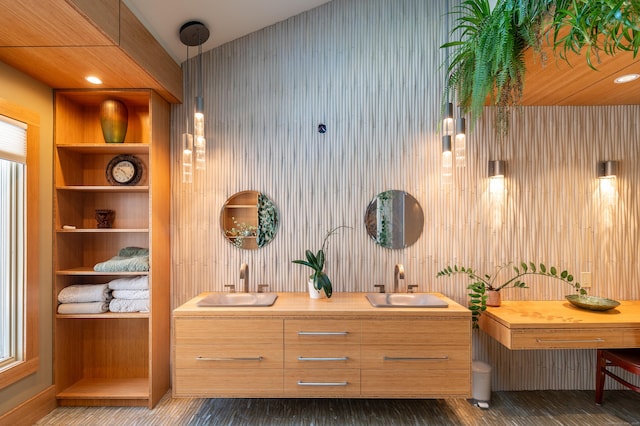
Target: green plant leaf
x,y
553,271
564,274
532,266
543,268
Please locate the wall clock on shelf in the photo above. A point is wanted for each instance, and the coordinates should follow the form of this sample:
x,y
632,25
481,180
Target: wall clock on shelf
x,y
124,169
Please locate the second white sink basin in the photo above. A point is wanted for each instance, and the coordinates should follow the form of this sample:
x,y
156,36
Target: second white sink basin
x,y
406,300
238,299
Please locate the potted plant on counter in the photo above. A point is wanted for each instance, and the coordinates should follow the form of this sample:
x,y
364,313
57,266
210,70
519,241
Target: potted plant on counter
x,y
484,290
319,282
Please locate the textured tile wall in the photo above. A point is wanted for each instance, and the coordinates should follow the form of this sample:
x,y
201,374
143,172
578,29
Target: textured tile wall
x,y
371,71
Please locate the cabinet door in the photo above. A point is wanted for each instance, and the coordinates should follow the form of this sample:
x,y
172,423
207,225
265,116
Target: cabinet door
x,y
226,357
419,358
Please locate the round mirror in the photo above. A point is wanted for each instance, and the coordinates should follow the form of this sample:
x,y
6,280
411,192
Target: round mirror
x,y
394,219
249,220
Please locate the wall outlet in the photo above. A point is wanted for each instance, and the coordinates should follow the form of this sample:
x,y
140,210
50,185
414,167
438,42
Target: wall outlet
x,y
585,279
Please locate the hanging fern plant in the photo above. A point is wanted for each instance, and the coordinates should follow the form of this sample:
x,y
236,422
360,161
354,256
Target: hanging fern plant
x,y
487,66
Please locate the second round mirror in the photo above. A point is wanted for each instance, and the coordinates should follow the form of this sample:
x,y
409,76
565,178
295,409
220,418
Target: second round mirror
x,y
249,220
394,219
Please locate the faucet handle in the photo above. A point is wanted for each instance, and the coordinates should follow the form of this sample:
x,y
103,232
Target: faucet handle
x,y
410,287
232,288
261,287
380,287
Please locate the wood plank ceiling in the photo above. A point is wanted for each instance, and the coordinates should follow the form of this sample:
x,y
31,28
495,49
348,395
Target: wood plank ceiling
x,y
61,42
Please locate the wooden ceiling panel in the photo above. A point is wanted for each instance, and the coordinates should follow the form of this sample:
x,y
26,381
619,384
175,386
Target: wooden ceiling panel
x,y
66,67
54,23
558,83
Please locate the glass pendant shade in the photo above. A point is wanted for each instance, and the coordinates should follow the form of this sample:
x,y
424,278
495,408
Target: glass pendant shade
x,y
447,161
187,158
461,143
447,121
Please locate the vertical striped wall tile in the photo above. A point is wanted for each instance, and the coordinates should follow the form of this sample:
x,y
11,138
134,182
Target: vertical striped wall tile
x,y
371,71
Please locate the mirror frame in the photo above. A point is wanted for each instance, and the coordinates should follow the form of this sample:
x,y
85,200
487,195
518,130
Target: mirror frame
x,y
397,236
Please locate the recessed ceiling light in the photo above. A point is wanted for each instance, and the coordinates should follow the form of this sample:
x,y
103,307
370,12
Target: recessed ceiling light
x,y
626,78
93,79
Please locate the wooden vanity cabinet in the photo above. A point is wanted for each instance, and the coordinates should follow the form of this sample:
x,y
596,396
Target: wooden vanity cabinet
x,y
111,358
337,348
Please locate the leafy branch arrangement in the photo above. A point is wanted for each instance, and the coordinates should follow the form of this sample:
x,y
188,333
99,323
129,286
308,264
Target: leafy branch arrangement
x,y
480,284
316,262
488,59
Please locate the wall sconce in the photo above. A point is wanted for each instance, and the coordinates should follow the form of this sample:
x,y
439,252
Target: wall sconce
x,y
194,33
497,169
607,171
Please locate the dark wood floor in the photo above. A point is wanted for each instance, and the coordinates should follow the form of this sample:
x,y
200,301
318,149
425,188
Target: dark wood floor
x,y
535,408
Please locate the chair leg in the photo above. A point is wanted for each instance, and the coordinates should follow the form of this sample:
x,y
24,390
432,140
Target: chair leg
x,y
600,376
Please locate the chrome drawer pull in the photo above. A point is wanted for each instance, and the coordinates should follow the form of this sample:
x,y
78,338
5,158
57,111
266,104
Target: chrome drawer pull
x,y
393,358
204,358
596,340
301,383
307,358
322,333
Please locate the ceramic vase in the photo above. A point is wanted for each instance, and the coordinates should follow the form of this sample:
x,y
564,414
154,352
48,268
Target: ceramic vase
x,y
314,293
493,298
114,118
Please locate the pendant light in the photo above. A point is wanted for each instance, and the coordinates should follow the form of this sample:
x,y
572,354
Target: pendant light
x,y
194,33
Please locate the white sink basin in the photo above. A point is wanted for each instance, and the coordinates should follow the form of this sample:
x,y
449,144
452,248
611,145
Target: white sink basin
x,y
238,299
405,300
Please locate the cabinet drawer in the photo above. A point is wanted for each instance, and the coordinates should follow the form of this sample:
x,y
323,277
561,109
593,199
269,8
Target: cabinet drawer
x,y
227,331
326,382
322,356
322,331
416,383
567,339
209,383
228,356
387,357
432,331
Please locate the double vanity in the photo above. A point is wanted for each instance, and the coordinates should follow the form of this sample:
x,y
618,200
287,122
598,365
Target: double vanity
x,y
353,345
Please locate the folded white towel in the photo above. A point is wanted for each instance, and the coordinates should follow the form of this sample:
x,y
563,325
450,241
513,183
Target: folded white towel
x,y
140,282
129,305
131,294
83,308
83,293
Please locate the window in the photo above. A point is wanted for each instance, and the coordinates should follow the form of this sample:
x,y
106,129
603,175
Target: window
x,y
19,242
13,158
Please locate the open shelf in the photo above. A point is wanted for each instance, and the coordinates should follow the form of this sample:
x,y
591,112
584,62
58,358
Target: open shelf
x,y
104,188
133,388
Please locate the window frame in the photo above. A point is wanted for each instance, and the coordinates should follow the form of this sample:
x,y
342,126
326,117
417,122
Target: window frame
x,y
30,363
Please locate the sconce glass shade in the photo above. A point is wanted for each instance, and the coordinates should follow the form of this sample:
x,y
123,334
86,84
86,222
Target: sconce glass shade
x,y
461,143
607,169
497,168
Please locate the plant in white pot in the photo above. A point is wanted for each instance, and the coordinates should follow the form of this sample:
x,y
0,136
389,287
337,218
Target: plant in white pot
x,y
482,286
319,279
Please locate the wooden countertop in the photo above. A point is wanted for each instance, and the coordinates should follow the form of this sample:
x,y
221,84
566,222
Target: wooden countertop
x,y
353,305
560,325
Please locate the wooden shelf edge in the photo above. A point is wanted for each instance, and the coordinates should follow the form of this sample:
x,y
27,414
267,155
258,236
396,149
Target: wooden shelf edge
x,y
103,188
103,230
99,388
88,270
106,315
105,148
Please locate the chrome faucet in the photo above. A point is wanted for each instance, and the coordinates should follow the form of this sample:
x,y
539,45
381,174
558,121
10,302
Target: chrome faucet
x,y
398,274
244,277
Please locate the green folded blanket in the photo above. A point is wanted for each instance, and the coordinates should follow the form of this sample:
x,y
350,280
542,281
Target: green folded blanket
x,y
129,259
